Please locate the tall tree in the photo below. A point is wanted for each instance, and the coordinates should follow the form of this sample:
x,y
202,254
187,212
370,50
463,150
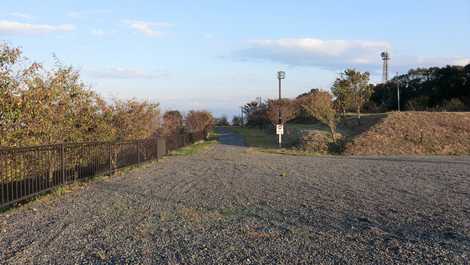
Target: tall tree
x,y
198,121
341,89
353,89
286,107
255,113
320,105
172,122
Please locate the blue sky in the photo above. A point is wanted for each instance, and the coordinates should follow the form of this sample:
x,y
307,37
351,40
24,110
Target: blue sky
x,y
218,54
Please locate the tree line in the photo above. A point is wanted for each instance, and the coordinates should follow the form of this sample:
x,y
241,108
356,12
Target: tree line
x,y
40,106
426,89
423,89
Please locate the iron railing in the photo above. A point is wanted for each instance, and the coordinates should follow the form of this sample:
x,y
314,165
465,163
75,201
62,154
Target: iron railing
x,y
28,171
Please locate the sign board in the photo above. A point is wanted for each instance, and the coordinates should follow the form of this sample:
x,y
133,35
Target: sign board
x,y
280,129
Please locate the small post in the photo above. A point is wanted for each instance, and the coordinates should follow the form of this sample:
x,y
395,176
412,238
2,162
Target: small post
x,y
110,154
241,118
138,152
156,148
398,93
62,162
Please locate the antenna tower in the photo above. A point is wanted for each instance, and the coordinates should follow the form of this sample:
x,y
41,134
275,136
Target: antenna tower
x,y
386,58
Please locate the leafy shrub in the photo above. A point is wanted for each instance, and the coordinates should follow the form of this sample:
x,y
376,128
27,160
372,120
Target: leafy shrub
x,y
287,108
320,106
46,107
197,121
454,104
172,122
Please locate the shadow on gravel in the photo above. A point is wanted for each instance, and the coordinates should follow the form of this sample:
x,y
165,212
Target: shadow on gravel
x,y
424,160
407,232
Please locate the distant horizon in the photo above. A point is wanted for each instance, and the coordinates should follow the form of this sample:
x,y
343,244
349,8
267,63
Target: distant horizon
x,y
217,56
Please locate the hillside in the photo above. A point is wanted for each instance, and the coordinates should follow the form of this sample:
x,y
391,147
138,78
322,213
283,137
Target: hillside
x,y
415,133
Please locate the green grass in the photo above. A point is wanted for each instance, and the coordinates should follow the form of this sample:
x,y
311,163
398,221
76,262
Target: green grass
x,y
213,135
193,149
260,140
255,137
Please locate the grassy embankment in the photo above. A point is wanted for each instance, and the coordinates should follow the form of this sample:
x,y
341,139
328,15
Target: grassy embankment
x,y
394,133
196,147
262,140
415,133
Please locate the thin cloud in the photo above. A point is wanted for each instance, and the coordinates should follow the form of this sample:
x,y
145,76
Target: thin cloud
x,y
150,29
21,15
13,27
125,73
88,13
336,54
315,52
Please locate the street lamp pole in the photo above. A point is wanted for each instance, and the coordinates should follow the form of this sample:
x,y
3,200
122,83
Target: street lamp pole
x,y
280,114
398,92
280,75
241,118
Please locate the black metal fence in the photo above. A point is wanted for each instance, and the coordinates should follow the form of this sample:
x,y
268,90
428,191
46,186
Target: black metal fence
x,y
28,171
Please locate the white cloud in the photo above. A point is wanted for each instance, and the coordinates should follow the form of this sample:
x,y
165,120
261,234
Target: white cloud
x,y
13,27
125,73
460,61
150,29
88,13
337,54
21,15
316,52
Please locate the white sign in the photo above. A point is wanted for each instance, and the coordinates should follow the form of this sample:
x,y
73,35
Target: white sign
x,y
280,129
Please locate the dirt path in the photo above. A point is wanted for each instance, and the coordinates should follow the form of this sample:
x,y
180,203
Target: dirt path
x,y
227,137
231,205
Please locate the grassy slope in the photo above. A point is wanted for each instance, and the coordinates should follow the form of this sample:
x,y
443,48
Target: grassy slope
x,y
196,147
193,149
415,133
255,137
262,141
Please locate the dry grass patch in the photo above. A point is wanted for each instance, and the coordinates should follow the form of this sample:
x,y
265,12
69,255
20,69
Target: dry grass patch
x,y
415,133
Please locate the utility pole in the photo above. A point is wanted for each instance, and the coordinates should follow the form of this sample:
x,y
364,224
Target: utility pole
x,y
280,128
241,117
398,92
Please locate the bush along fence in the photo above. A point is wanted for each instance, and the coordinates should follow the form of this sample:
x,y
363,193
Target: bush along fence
x,y
28,171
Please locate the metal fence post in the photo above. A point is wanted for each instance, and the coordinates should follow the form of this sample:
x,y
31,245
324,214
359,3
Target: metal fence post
x,y
62,162
156,147
110,155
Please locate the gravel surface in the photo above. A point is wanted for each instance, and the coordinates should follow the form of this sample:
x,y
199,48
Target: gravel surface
x,y
233,205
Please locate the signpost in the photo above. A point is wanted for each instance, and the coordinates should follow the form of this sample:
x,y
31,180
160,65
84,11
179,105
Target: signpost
x,y
280,132
280,129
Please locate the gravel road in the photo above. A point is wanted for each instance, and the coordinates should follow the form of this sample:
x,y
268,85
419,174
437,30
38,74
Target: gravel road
x,y
233,205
